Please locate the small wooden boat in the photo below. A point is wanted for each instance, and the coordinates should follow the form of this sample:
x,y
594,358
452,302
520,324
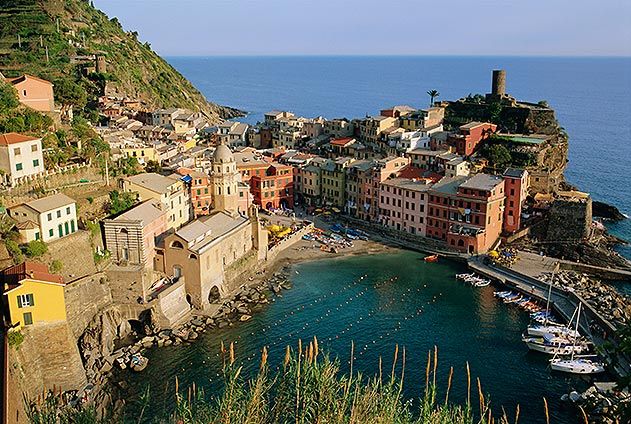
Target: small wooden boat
x,y
431,258
138,362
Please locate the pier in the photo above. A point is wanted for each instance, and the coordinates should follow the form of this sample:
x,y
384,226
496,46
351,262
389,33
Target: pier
x,y
563,302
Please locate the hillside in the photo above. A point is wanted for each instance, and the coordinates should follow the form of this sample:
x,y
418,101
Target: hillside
x,y
73,31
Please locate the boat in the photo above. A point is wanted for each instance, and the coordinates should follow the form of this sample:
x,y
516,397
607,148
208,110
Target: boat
x,y
431,258
138,362
538,330
577,366
573,365
482,283
554,345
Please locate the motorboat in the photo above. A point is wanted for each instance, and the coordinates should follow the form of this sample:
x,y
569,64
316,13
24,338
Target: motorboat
x,y
554,345
577,365
431,258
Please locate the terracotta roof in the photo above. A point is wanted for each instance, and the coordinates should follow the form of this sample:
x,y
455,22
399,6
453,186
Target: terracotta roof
x,y
12,138
26,225
24,77
14,275
342,141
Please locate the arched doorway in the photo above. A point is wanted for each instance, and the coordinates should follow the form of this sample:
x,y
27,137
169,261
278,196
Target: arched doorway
x,y
214,295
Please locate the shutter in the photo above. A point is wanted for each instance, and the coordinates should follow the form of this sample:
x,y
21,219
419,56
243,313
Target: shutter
x,y
31,300
19,301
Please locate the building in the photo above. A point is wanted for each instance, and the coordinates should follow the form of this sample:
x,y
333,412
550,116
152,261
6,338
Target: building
x,y
32,295
397,111
200,190
403,204
201,251
423,118
34,92
274,188
20,157
233,134
339,128
308,187
333,181
48,218
516,187
371,128
457,167
467,212
272,116
341,146
470,137
171,191
250,163
225,179
131,236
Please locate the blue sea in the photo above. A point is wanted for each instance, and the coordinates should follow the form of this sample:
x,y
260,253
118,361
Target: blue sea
x,y
592,98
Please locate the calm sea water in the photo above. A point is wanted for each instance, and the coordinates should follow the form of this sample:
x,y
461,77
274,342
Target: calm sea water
x,y
425,306
592,98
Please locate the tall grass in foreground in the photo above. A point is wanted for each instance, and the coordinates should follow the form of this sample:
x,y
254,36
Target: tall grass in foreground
x,y
310,388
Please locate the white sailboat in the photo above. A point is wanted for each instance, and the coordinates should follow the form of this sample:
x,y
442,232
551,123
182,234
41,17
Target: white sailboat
x,y
546,327
554,345
579,365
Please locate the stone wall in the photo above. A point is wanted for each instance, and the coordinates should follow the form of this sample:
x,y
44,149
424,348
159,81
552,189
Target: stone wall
x,y
569,220
84,299
55,179
172,306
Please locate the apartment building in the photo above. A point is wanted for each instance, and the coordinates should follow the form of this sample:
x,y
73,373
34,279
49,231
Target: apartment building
x,y
20,157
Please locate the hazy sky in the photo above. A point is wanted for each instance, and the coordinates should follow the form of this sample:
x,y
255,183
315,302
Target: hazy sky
x,y
386,27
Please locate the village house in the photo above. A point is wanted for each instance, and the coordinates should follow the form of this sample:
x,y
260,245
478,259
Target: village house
x,y
470,137
517,185
423,118
342,146
171,191
234,134
33,296
397,111
457,167
250,162
34,92
131,236
308,187
467,212
20,157
339,128
371,128
200,190
273,188
333,181
403,204
272,116
47,219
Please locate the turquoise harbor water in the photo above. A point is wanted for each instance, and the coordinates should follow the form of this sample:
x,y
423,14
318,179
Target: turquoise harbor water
x,y
423,307
592,98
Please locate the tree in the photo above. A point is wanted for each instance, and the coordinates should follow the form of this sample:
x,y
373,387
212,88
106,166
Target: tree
x,y
432,95
56,266
493,112
121,201
35,249
8,97
498,155
153,166
70,93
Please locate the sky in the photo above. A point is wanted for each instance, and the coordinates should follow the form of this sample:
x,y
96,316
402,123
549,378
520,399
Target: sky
x,y
386,27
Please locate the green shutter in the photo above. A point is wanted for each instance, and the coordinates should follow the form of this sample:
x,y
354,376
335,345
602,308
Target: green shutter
x,y
31,300
19,301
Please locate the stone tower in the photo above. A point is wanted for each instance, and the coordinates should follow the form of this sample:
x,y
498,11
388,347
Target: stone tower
x,y
259,234
498,87
224,178
101,64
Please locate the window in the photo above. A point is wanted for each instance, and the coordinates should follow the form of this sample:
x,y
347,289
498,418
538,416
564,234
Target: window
x,y
59,213
18,167
51,232
37,236
28,318
68,210
17,151
34,148
72,227
50,216
25,300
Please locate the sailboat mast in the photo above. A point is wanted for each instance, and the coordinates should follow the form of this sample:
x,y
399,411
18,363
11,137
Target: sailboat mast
x,y
578,318
554,271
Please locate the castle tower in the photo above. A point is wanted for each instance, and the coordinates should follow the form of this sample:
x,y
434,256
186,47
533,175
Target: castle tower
x,y
101,64
498,87
224,178
259,234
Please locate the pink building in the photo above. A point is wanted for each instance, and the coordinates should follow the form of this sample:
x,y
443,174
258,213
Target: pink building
x,y
403,204
34,92
369,181
516,188
131,236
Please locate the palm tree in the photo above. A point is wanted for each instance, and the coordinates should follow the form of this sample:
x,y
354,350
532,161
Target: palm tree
x,y
433,94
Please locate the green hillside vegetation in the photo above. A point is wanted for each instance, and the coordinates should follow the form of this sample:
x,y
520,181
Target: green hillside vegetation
x,y
69,28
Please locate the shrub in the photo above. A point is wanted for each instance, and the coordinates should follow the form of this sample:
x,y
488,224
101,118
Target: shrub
x,y
35,249
90,199
15,338
56,266
14,250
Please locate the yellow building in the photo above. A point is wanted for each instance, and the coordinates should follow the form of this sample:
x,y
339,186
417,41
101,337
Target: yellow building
x,y
33,295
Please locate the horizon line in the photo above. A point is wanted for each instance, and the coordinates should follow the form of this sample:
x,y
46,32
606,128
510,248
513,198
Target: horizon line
x,y
378,55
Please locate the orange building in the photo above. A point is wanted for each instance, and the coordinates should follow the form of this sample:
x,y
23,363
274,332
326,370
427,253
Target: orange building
x,y
200,190
467,212
34,92
274,188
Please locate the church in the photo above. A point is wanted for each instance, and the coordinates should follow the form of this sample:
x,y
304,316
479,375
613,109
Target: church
x,y
201,251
